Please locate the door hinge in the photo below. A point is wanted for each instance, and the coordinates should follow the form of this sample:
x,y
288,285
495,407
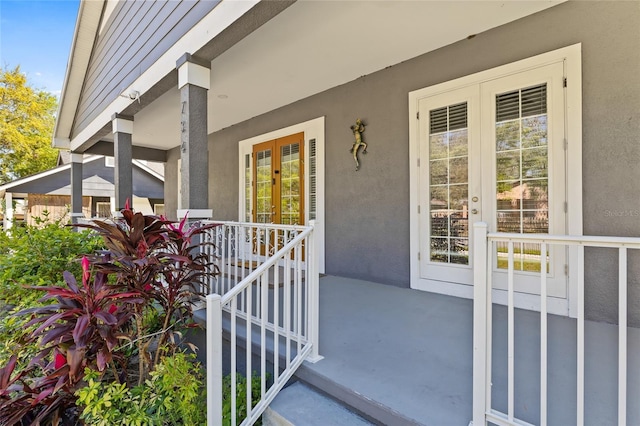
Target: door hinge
x,y
566,269
418,209
418,255
418,115
566,144
566,207
564,83
418,162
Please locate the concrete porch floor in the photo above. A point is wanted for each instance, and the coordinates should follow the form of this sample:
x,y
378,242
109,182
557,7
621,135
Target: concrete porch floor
x,y
411,351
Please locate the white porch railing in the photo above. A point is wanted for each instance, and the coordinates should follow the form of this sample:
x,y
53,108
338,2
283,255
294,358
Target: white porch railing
x,y
484,249
266,297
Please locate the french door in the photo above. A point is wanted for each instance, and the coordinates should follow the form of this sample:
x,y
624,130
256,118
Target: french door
x,y
494,152
278,179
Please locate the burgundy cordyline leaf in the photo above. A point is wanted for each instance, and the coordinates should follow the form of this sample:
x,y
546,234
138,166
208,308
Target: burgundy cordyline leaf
x,y
106,317
6,371
62,381
48,322
142,248
75,358
103,358
42,395
79,332
53,335
70,280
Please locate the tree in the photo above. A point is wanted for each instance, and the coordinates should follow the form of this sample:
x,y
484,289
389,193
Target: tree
x,y
27,117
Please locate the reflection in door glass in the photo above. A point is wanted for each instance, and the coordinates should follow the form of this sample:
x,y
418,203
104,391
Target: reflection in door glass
x,y
522,172
263,187
290,184
247,188
448,185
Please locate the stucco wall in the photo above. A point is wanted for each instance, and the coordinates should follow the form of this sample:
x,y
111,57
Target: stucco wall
x,y
367,218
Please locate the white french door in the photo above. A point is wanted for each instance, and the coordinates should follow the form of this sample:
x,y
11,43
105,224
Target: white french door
x,y
494,152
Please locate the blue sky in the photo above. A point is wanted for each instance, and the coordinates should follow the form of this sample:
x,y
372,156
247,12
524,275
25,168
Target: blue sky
x,y
37,35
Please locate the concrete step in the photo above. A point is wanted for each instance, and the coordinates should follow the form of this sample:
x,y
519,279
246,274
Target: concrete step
x,y
300,405
373,411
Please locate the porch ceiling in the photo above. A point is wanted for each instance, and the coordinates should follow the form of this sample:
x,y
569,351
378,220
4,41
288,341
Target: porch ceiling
x,y
315,45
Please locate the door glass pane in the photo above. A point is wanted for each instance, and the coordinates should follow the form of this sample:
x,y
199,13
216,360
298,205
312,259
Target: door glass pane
x,y
263,186
290,190
449,185
247,188
522,178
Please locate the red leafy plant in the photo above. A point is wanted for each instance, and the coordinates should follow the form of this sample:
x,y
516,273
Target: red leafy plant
x,y
150,265
80,329
167,265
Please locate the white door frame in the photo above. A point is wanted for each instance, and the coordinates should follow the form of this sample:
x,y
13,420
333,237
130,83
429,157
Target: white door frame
x,y
571,58
312,129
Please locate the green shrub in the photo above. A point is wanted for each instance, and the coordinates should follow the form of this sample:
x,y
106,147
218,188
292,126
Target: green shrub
x,y
172,395
241,398
37,255
34,255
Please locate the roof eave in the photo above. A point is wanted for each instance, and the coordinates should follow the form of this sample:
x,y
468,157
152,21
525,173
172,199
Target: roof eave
x,y
86,30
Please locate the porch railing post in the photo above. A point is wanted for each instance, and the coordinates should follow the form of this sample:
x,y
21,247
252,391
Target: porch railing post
x,y
480,313
214,360
314,296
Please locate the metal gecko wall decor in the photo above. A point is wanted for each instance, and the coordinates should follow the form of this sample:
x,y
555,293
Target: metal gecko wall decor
x,y
357,130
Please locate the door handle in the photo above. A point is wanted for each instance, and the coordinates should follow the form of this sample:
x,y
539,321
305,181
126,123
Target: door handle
x,y
474,211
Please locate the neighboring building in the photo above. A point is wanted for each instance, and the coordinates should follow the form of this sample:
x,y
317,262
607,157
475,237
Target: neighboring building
x,y
523,115
50,191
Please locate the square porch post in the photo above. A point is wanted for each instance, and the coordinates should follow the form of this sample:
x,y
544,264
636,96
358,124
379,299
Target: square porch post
x,y
122,127
193,82
76,187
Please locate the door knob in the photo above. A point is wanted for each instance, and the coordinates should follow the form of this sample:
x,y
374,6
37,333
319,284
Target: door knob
x,y
474,199
474,211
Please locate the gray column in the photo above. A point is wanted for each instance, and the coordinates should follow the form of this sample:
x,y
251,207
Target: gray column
x,y
76,187
193,82
122,127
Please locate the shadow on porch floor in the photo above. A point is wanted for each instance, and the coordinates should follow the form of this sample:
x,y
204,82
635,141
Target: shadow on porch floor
x,y
411,351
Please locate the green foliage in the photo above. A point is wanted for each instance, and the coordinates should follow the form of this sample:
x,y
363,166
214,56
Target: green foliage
x,y
152,265
13,338
173,395
241,397
27,118
33,255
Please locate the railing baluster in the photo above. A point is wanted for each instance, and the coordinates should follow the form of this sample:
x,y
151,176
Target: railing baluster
x,y
491,252
298,299
263,332
214,359
248,323
543,334
580,341
234,346
510,334
276,323
287,309
622,336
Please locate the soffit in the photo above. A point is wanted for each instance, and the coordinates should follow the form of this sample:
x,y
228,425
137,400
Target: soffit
x,y
313,46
